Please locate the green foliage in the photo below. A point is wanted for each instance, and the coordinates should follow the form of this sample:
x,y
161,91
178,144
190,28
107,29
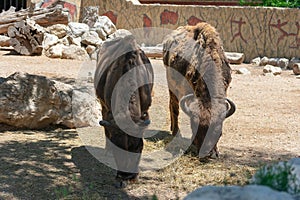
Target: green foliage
x,y
154,197
273,3
278,176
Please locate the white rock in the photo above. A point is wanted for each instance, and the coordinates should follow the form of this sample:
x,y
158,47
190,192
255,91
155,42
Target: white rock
x,y
283,63
75,40
264,61
292,62
85,108
49,40
298,77
119,33
60,30
77,29
104,27
90,49
271,69
273,61
55,51
64,41
235,58
91,38
255,61
248,192
32,101
243,71
28,101
4,41
75,53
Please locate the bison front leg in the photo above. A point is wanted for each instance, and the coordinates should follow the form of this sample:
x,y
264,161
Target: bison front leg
x,y
174,112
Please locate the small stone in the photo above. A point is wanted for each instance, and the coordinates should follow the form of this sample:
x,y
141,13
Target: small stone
x,y
255,61
292,62
235,58
264,61
271,69
273,61
243,71
296,68
283,63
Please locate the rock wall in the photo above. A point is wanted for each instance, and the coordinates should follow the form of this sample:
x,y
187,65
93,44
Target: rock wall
x,y
254,31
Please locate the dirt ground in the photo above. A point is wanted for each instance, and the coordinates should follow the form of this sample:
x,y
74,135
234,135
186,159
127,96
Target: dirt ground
x,y
54,164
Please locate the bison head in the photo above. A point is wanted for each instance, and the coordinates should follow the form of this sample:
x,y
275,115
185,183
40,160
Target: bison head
x,y
206,120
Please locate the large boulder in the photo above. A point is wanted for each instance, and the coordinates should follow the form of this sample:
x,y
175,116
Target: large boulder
x,y
248,192
34,102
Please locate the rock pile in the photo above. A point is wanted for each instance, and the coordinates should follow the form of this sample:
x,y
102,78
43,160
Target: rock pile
x,y
274,66
77,40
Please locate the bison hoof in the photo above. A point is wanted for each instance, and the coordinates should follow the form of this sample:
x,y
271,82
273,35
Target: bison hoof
x,y
121,184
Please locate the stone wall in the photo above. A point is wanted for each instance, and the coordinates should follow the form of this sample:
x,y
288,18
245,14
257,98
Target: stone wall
x,y
254,31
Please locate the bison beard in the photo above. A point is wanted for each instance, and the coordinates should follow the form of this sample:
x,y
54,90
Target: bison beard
x,y
196,53
116,59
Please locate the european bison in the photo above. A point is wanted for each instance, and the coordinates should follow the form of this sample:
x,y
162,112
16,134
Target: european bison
x,y
123,83
194,54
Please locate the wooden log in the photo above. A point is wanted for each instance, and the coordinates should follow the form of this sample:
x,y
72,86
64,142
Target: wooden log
x,y
26,37
153,52
44,17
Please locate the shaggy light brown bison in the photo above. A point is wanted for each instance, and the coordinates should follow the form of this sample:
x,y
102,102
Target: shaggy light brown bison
x,y
123,83
194,54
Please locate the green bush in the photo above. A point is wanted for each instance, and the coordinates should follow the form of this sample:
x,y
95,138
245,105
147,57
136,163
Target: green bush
x,y
273,3
280,176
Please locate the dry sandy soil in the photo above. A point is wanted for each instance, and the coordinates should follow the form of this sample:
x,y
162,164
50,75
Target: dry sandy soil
x,y
54,164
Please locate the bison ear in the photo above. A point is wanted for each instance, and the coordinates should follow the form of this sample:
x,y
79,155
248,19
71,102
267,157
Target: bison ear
x,y
188,104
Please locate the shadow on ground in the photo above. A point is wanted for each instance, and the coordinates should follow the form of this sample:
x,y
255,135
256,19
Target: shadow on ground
x,y
46,164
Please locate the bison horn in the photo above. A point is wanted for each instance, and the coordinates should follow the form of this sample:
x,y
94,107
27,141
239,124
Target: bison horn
x,y
232,108
183,105
104,123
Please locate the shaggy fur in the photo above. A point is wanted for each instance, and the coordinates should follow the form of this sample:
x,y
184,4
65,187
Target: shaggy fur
x,y
117,58
196,52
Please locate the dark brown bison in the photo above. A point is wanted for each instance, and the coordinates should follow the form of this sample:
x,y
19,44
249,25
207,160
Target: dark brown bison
x,y
123,83
198,76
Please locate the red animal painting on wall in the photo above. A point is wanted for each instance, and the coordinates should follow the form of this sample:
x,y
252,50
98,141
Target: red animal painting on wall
x,y
168,17
192,21
112,16
147,24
